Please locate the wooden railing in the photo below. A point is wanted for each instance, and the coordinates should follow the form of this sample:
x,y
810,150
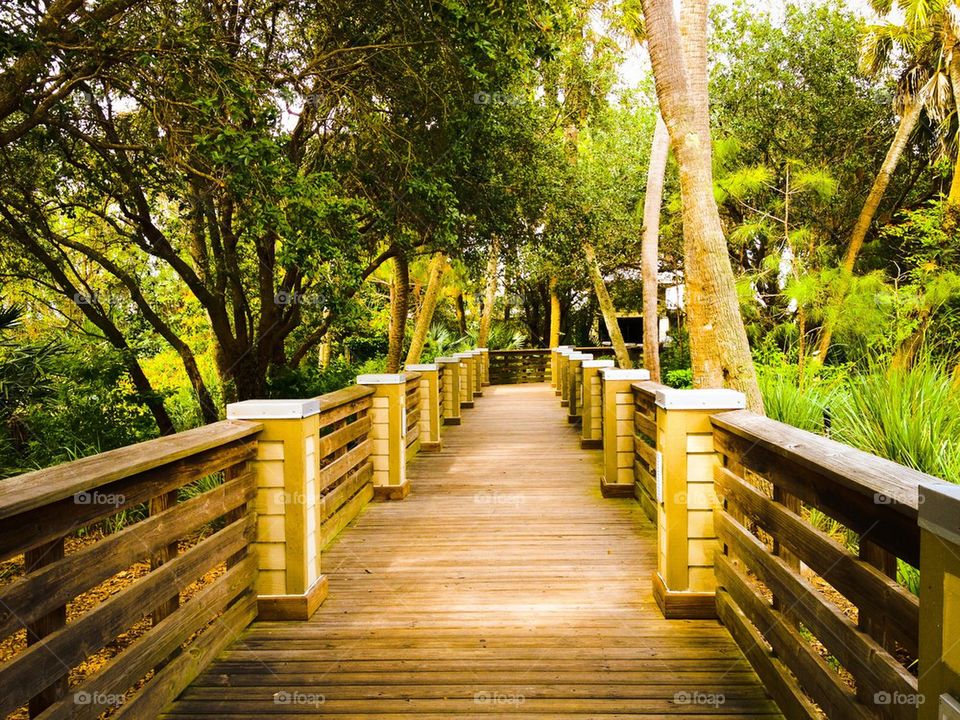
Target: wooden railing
x,y
346,471
181,534
413,410
510,367
645,446
819,614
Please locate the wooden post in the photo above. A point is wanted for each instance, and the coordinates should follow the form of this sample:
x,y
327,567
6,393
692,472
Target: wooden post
x,y
591,435
684,585
555,366
484,365
477,372
451,390
389,434
616,398
290,585
574,386
429,406
467,378
562,362
939,671
34,559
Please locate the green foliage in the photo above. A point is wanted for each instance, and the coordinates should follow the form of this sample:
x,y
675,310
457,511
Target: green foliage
x,y
910,416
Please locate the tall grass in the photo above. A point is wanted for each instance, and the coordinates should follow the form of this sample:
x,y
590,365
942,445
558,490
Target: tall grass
x,y
910,416
784,401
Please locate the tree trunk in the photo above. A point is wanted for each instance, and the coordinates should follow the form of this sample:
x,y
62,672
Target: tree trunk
x,y
649,262
908,123
461,313
427,308
607,310
554,314
490,294
719,348
399,300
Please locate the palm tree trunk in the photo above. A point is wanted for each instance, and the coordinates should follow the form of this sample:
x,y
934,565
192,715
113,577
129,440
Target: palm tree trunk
x,y
461,313
719,348
953,199
908,123
649,262
554,314
607,310
490,294
399,301
427,308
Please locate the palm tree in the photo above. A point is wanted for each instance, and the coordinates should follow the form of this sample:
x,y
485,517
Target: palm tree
x,y
718,340
438,266
649,257
927,82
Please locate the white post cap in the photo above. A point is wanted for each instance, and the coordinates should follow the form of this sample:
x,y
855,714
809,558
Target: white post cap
x,y
939,507
615,373
382,379
599,363
423,367
706,399
446,360
273,409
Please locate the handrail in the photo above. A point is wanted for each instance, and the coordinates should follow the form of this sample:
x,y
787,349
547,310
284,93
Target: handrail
x,y
863,491
771,477
181,541
41,487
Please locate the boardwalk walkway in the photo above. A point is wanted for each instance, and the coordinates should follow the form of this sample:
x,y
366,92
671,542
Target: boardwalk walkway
x,y
504,584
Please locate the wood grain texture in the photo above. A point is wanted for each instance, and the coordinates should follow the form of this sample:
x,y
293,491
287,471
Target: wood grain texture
x,y
504,584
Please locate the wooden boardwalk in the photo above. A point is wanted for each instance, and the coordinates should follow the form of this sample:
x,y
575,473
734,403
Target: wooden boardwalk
x,y
504,584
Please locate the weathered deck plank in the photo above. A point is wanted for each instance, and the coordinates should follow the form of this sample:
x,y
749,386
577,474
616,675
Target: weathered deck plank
x,y
504,584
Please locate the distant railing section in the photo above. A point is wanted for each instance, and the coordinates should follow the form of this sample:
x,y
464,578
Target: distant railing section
x,y
188,502
511,367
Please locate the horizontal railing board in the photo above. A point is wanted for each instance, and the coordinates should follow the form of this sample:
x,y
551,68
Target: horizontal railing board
x,y
332,400
42,487
889,525
351,483
849,467
817,679
776,678
42,663
343,411
48,522
57,583
860,654
857,580
150,650
174,677
333,473
339,439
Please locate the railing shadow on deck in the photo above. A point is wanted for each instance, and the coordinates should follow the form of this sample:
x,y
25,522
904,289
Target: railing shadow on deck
x,y
791,540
